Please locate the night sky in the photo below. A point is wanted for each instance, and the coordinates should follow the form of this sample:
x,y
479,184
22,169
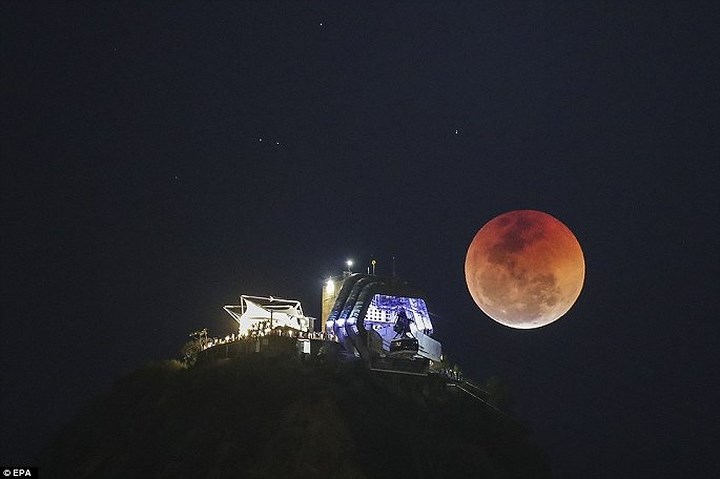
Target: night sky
x,y
160,160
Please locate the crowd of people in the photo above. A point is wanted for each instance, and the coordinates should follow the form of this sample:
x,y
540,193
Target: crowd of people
x,y
264,332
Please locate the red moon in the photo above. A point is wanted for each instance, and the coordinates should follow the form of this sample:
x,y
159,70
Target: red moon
x,y
524,269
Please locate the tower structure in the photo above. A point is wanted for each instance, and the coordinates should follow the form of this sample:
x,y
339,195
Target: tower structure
x,y
330,292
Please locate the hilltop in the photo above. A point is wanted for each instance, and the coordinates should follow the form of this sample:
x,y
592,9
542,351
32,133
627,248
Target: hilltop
x,y
260,416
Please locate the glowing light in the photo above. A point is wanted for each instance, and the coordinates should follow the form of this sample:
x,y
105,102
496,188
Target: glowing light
x,y
349,264
330,286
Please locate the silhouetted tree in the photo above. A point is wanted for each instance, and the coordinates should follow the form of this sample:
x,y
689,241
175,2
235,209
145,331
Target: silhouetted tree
x,y
189,352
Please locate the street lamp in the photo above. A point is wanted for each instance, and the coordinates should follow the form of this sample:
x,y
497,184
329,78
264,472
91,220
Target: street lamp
x,y
349,264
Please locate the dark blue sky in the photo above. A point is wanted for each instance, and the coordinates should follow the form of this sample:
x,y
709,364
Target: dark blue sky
x,y
137,197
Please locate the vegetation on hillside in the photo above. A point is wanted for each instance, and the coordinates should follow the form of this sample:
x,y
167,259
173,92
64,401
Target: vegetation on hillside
x,y
258,417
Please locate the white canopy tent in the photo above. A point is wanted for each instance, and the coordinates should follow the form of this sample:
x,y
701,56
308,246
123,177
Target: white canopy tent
x,y
264,313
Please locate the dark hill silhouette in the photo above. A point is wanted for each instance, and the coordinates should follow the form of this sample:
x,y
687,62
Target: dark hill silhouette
x,y
258,416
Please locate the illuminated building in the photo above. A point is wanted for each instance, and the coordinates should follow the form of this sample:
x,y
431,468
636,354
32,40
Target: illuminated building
x,y
380,320
365,319
331,288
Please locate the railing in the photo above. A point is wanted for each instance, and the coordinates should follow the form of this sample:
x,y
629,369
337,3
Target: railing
x,y
231,338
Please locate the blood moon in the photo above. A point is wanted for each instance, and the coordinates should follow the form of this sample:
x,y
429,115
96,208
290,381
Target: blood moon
x,y
524,269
